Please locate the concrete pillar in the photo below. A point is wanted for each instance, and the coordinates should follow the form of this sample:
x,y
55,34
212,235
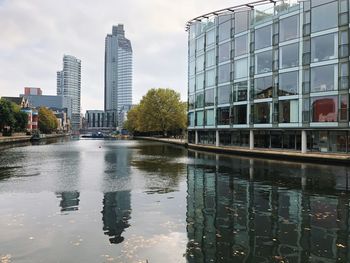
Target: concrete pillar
x,y
196,137
217,138
303,141
251,139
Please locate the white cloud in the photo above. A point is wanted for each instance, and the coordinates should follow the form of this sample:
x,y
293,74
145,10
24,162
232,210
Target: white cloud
x,y
35,34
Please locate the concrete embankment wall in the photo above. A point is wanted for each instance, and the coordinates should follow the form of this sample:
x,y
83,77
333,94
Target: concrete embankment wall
x,y
25,138
262,153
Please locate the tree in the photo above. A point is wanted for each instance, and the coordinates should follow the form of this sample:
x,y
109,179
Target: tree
x,y
6,114
47,120
21,121
160,110
132,124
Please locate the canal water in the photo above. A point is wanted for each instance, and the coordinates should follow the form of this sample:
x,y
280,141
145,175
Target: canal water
x,y
138,201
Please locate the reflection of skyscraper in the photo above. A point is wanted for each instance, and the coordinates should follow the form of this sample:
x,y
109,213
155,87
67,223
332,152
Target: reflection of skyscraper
x,y
69,201
116,213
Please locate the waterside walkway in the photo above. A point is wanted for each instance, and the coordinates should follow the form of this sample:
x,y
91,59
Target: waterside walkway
x,y
258,152
25,138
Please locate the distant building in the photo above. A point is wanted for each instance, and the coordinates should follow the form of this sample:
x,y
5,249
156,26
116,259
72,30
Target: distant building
x,y
118,73
69,84
32,91
100,119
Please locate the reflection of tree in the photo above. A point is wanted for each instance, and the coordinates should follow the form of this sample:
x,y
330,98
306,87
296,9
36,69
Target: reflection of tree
x,y
160,163
116,213
69,201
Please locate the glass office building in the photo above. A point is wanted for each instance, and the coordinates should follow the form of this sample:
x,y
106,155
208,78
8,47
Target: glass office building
x,y
271,74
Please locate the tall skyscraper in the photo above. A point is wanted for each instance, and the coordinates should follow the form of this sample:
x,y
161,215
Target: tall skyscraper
x,y
69,84
118,73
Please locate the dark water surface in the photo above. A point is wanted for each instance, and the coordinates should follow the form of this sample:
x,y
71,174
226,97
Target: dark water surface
x,y
132,201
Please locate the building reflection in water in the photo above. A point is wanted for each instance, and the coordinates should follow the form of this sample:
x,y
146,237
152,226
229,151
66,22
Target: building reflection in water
x,y
69,201
116,211
244,210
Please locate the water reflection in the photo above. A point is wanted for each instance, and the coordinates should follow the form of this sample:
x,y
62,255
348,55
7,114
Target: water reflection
x,y
69,201
116,213
244,210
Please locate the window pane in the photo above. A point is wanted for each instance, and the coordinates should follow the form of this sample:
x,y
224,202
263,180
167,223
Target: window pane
x,y
241,45
191,85
289,56
192,68
343,114
199,100
192,47
191,119
209,98
200,82
262,112
263,88
240,91
240,114
210,56
263,37
210,76
324,109
324,17
288,84
322,78
209,117
288,111
289,28
223,116
224,52
241,22
200,43
191,100
224,94
211,35
241,68
224,73
264,62
225,30
199,118
323,48
200,63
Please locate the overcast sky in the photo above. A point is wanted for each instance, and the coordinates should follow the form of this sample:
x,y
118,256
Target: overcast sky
x,y
35,34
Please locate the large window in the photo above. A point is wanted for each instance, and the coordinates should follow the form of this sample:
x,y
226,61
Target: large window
x,y
323,78
288,111
289,56
209,97
200,100
191,85
191,101
324,109
324,16
344,106
200,63
241,68
192,69
211,37
224,52
209,118
241,45
223,116
263,37
289,28
262,112
224,94
224,73
210,76
288,84
241,21
240,91
210,58
323,48
191,119
240,114
263,87
200,81
200,43
263,62
225,30
199,118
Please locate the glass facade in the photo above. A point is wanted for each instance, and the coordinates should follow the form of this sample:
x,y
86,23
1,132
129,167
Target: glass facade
x,y
262,71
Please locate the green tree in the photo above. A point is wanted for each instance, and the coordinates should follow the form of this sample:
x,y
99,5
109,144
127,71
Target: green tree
x,y
47,120
21,121
6,114
132,123
160,110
